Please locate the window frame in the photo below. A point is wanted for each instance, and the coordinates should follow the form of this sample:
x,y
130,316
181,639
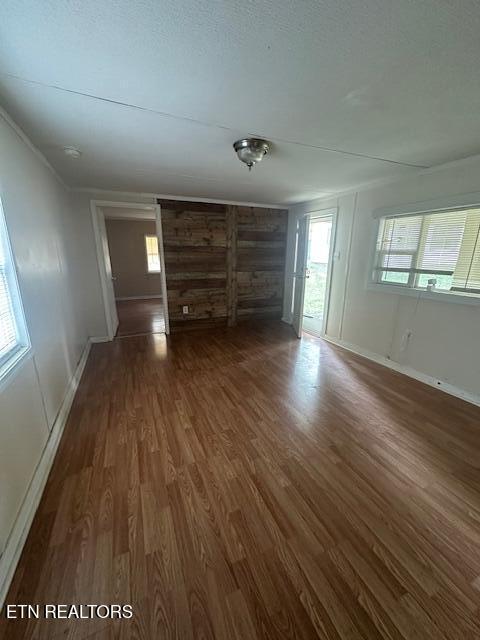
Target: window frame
x,y
408,289
12,358
156,271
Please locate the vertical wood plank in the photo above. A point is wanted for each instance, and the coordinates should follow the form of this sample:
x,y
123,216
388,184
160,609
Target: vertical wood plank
x,y
260,261
195,244
232,265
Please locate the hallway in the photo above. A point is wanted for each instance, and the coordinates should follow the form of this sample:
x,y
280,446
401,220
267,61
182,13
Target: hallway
x,y
137,317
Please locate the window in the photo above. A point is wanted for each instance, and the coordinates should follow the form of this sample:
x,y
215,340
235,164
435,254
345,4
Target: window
x,y
13,334
153,259
437,251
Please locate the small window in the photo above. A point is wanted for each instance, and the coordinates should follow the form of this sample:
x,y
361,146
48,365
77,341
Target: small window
x,y
153,258
13,333
435,251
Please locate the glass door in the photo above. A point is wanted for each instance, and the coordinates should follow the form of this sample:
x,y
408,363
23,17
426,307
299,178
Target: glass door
x,y
317,274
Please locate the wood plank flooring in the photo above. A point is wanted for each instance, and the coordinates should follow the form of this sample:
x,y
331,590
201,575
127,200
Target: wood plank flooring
x,y
242,484
136,317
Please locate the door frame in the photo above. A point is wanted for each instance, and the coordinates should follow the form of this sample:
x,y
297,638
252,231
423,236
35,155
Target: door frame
x,y
98,220
306,219
299,272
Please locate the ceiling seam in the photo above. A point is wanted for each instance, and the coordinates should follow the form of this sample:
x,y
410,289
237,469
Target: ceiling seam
x,y
208,124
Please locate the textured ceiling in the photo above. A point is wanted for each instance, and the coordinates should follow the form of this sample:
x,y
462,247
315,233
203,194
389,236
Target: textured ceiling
x,y
155,92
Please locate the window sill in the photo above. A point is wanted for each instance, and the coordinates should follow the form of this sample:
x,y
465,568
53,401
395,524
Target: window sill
x,y
9,368
437,296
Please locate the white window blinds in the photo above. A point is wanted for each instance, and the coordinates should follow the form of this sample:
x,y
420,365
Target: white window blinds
x,y
9,334
440,247
466,276
397,247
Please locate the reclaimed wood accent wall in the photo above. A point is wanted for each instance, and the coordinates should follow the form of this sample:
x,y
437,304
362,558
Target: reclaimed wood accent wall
x,y
260,261
224,262
195,246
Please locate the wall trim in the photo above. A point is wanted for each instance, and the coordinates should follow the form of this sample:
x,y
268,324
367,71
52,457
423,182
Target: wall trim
x,y
156,296
167,196
97,339
446,387
26,140
17,538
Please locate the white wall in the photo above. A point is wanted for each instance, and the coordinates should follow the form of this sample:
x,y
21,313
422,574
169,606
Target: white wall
x,y
445,342
47,241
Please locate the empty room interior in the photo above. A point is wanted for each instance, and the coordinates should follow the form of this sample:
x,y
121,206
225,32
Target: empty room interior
x,y
239,320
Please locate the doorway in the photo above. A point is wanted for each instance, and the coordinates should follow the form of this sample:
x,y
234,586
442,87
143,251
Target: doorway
x,y
317,273
315,237
130,257
136,273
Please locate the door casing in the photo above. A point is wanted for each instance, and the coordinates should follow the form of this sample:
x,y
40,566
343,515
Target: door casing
x,y
303,228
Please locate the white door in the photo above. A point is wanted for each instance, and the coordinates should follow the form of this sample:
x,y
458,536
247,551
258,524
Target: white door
x,y
112,305
299,273
318,273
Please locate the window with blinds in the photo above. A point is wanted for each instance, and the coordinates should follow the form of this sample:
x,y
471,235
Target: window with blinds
x,y
153,258
438,250
8,332
13,336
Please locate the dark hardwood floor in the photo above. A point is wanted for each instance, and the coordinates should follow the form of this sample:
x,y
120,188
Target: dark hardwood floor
x,y
136,317
242,484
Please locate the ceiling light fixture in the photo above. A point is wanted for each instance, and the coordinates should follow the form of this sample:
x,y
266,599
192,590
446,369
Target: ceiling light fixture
x,y
251,150
71,152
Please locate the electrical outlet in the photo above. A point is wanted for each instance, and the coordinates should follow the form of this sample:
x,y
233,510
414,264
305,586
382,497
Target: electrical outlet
x,y
185,309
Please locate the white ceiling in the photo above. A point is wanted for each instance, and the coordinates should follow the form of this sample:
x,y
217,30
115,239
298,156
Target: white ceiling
x,y
349,92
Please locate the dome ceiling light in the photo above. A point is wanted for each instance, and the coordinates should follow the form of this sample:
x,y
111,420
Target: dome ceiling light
x,y
251,150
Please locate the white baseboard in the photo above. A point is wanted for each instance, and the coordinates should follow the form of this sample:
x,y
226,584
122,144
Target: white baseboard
x,y
23,522
408,371
139,297
96,339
